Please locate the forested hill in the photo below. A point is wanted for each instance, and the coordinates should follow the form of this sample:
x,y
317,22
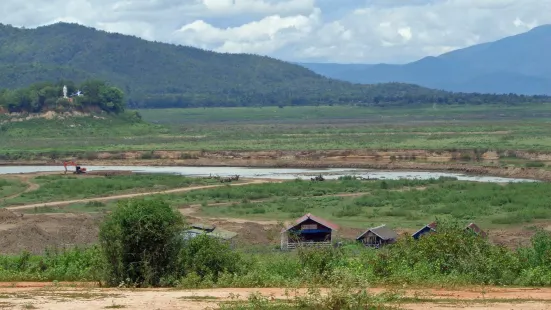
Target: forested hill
x,y
159,75
97,96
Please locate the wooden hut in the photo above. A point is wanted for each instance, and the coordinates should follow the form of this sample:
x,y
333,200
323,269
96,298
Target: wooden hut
x,y
472,227
308,230
425,230
211,231
378,236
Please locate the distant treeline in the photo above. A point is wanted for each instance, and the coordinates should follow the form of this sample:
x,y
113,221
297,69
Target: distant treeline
x,y
91,95
382,95
97,95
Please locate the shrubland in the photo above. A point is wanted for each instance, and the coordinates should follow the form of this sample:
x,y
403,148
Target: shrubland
x,y
356,203
349,202
141,245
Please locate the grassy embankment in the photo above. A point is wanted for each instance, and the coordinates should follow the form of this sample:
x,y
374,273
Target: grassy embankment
x,y
290,128
403,204
69,187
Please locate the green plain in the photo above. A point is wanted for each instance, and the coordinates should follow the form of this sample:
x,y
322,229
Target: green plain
x,y
289,128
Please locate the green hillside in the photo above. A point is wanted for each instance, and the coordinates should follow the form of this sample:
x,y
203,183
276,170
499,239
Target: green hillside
x,y
157,75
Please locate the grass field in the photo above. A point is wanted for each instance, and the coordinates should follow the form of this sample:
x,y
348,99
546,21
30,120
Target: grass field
x,y
62,187
10,187
289,128
313,128
406,206
403,204
314,114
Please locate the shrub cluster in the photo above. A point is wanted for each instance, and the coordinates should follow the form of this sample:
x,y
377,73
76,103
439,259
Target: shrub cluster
x,y
141,244
41,97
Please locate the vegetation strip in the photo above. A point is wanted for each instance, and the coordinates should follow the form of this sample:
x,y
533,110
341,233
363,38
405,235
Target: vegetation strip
x,y
116,197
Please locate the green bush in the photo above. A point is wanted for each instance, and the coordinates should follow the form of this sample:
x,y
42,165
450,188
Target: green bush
x,y
450,252
319,261
140,242
206,256
535,164
53,265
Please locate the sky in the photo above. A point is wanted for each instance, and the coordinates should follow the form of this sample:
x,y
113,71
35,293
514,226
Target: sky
x,y
341,31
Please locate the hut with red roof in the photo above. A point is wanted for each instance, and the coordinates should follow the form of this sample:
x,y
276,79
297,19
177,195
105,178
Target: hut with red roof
x,y
309,230
427,229
472,227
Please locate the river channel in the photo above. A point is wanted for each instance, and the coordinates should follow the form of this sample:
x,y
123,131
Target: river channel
x,y
272,173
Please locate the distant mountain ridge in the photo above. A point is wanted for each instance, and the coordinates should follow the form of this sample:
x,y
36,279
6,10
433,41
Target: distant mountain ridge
x,y
161,75
518,64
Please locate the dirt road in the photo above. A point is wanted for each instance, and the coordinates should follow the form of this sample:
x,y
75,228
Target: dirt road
x,y
47,296
117,197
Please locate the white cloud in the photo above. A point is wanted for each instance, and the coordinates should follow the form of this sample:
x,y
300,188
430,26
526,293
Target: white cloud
x,y
302,30
257,6
263,36
405,33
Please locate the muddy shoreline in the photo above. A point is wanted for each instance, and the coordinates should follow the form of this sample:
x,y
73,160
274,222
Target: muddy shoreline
x,y
482,163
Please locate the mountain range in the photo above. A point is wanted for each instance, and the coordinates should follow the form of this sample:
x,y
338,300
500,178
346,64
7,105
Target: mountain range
x,y
159,75
517,64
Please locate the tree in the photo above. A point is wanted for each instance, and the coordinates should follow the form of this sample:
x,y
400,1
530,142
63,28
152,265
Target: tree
x,y
111,99
92,89
140,242
44,96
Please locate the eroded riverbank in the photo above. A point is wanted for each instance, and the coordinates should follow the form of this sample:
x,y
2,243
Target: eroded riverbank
x,y
275,173
487,163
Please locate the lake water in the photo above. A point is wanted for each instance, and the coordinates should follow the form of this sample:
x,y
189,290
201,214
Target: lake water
x,y
271,173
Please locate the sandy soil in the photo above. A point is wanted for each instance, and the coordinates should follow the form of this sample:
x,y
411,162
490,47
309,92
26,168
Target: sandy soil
x,y
46,296
34,233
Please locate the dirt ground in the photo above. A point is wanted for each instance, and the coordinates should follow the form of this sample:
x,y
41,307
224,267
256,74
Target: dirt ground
x,y
47,296
35,232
